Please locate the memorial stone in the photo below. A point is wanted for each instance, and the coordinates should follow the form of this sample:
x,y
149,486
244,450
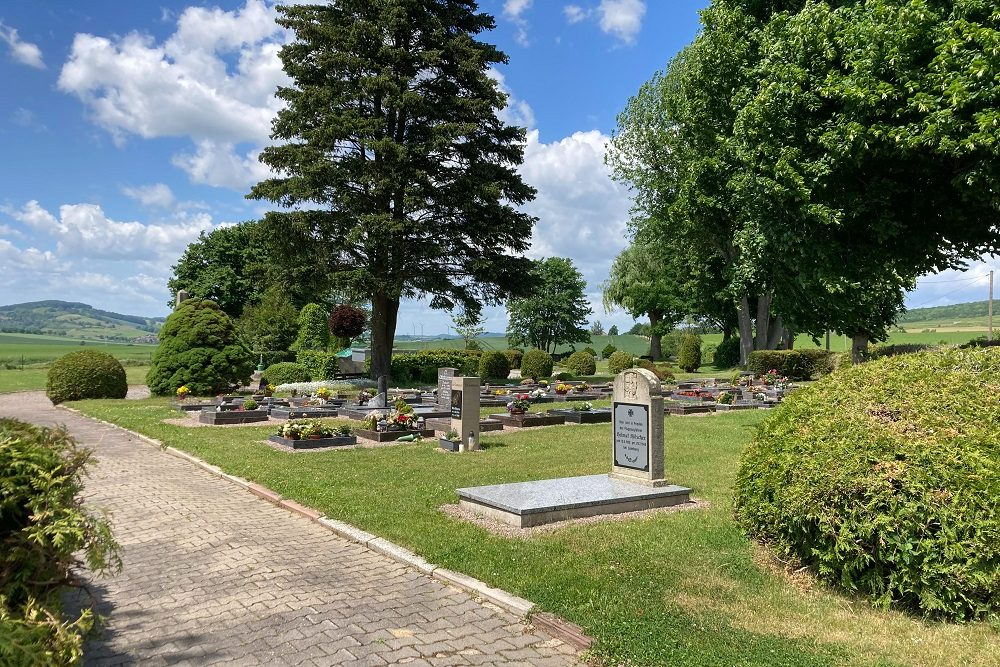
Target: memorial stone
x,y
637,433
445,376
381,399
465,410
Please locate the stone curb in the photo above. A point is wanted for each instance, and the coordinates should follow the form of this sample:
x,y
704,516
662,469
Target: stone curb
x,y
501,598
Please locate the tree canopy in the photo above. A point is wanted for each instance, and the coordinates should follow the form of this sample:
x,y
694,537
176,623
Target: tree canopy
x,y
556,311
392,159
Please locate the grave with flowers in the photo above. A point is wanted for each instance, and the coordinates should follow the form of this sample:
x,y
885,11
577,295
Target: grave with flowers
x,y
583,413
313,434
382,426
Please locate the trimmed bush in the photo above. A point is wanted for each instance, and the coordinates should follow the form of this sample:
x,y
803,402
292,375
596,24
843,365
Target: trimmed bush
x,y
727,353
286,372
619,361
581,363
514,357
494,365
793,364
319,365
661,371
883,478
536,364
591,351
85,374
608,350
689,353
43,524
198,348
347,322
314,331
423,366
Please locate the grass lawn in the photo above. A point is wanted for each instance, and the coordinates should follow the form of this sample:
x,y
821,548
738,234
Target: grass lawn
x,y
680,588
33,378
27,349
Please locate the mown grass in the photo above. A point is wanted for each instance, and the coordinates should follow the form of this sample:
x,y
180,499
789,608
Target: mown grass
x,y
682,588
33,379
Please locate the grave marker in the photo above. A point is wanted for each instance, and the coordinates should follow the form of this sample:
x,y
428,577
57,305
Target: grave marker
x,y
637,433
445,376
464,399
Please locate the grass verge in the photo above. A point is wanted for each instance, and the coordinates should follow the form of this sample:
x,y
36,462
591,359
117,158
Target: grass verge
x,y
683,588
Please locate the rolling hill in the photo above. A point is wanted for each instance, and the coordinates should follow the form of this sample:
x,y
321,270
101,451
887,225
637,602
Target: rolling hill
x,y
77,320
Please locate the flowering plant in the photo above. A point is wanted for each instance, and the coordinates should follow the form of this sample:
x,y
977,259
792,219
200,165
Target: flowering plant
x,y
726,398
538,393
521,402
563,388
370,421
586,406
773,377
399,421
760,396
323,393
268,390
543,383
501,392
303,428
363,397
182,392
583,386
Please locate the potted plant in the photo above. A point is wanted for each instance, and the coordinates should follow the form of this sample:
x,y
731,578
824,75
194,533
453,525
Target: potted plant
x,y
370,422
182,392
323,393
249,404
519,405
583,386
451,441
401,421
586,406
562,389
726,398
269,390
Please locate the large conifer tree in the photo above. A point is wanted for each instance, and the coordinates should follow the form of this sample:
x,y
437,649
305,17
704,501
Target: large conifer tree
x,y
394,160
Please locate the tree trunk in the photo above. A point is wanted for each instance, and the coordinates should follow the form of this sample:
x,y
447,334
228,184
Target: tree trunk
x,y
789,338
746,331
384,312
859,345
655,339
763,322
776,332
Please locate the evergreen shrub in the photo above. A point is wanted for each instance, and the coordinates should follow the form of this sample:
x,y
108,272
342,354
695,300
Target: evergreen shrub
x,y
581,363
514,357
494,365
689,353
286,372
608,350
85,374
883,479
727,354
536,364
619,361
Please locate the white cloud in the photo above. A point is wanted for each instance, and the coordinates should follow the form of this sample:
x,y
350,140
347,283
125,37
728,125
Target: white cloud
x,y
217,163
83,231
622,18
582,213
25,53
575,13
212,81
17,260
513,11
158,195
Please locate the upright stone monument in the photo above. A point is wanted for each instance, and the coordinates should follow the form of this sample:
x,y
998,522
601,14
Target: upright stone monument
x,y
637,434
445,376
181,296
465,410
381,399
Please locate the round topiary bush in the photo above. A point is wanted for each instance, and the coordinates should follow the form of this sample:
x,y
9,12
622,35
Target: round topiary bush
x,y
514,356
494,365
619,361
85,374
581,363
883,478
689,353
608,350
198,348
285,372
536,364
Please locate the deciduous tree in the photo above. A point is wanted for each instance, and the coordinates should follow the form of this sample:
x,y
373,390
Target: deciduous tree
x,y
555,313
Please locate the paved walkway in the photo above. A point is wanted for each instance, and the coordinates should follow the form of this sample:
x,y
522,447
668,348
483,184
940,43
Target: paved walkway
x,y
214,575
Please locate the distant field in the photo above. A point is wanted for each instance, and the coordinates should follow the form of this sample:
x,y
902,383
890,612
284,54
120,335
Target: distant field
x,y
634,344
30,349
33,379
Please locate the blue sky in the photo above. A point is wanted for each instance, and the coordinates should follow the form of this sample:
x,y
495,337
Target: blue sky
x,y
130,127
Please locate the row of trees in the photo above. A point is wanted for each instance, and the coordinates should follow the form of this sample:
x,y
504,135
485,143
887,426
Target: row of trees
x,y
801,163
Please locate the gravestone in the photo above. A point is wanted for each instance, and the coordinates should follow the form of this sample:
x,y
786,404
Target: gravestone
x,y
381,398
181,296
637,428
465,410
445,376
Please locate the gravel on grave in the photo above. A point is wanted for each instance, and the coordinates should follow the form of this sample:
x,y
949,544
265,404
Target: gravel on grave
x,y
137,392
506,530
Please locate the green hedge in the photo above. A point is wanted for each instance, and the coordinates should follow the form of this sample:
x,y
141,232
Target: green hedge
x,y
793,364
536,364
43,524
320,365
286,372
423,366
883,478
494,365
581,363
85,374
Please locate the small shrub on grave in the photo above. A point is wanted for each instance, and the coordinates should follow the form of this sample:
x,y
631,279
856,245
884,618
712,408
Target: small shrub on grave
x,y
608,350
866,478
85,374
287,372
619,361
198,348
536,364
727,353
689,354
514,357
581,363
250,404
494,365
591,351
46,535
